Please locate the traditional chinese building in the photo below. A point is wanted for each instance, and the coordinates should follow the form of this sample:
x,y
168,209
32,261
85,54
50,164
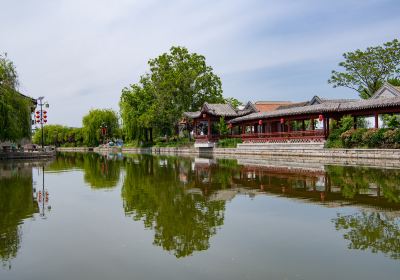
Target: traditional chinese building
x,y
292,122
205,121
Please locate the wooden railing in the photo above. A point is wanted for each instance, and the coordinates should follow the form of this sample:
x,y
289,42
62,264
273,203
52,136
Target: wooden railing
x,y
305,135
207,138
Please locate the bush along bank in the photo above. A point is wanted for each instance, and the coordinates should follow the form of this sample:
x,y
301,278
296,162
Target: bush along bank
x,y
344,135
371,138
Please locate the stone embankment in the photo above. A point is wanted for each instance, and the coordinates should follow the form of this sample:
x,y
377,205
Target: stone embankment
x,y
260,152
26,155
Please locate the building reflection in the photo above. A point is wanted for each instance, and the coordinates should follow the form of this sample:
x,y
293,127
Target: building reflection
x,y
375,191
17,203
331,185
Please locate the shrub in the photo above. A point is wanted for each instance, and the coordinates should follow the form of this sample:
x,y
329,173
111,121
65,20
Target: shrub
x,y
346,138
374,138
229,142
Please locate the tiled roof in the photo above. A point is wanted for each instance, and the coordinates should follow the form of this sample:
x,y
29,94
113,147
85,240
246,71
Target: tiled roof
x,y
267,106
297,104
192,115
324,108
225,110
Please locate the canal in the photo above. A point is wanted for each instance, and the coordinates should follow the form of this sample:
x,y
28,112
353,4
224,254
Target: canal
x,y
90,216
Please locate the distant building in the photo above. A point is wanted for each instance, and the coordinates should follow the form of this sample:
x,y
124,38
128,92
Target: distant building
x,y
268,106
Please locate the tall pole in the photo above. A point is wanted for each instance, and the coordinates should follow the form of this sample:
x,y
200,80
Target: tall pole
x,y
41,121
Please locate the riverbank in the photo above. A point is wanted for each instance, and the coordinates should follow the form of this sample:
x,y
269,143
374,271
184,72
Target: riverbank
x,y
26,155
370,157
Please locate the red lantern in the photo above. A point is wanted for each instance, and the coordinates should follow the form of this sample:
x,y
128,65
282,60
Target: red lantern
x,y
37,121
44,112
282,120
38,112
260,122
320,118
45,121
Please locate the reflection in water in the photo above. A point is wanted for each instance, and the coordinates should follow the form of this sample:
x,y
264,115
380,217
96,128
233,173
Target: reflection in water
x,y
99,171
371,230
16,204
183,200
154,192
356,181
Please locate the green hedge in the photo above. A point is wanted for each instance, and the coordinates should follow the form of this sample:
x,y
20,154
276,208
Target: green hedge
x,y
371,138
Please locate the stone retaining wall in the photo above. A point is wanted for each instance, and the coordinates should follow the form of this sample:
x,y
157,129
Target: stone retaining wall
x,y
74,149
379,157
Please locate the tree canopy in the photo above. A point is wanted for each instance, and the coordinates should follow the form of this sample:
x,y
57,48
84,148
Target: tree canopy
x,y
14,108
366,70
59,135
178,81
93,122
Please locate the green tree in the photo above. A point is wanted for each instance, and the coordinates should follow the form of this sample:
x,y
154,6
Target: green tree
x,y
93,122
138,110
15,109
59,135
234,102
222,126
8,73
178,81
366,70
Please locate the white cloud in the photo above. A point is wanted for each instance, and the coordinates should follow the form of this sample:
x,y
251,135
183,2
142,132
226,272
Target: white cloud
x,y
80,54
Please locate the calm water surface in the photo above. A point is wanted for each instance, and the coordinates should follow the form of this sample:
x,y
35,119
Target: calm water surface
x,y
147,217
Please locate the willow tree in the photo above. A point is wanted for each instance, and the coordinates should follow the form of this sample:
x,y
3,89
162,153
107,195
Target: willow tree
x,y
178,81
94,120
14,108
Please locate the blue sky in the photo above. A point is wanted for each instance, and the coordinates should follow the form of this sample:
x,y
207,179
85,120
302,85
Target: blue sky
x,y
80,54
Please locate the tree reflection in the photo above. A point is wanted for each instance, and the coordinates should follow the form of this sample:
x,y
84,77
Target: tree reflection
x,y
16,204
154,192
99,171
357,180
374,231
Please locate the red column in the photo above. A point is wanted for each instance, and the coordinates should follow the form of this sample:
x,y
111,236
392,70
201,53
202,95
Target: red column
x,y
376,121
209,129
327,126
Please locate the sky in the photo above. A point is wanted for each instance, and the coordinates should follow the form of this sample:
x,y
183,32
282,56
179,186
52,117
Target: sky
x,y
80,54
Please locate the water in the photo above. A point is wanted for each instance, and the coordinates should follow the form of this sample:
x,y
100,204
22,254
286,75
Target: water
x,y
144,217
